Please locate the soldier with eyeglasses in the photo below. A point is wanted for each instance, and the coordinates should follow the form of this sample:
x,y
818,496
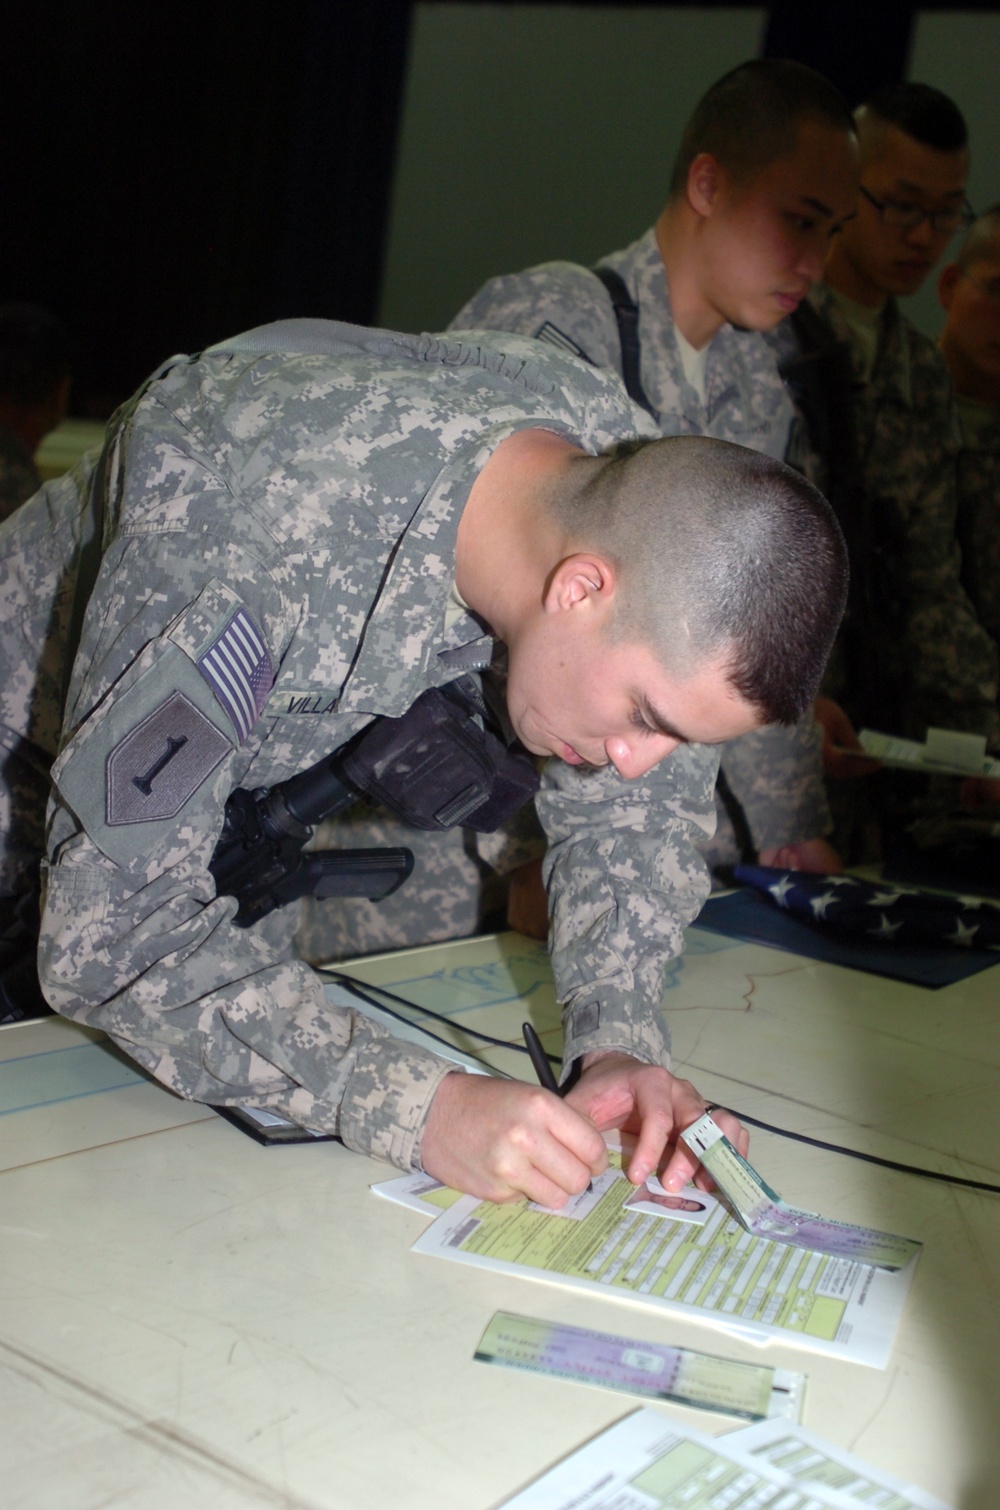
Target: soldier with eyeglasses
x,y
878,430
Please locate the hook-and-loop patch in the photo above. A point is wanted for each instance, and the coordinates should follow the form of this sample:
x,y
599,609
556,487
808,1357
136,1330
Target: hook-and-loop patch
x,y
161,763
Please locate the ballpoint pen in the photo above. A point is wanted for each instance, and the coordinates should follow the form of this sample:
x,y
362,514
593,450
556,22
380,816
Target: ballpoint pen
x,y
540,1059
543,1068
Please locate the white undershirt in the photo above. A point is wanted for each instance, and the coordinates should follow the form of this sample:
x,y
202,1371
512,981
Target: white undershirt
x,y
455,607
694,363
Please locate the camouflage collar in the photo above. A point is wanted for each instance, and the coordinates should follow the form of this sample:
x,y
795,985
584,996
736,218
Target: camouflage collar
x,y
734,367
404,647
892,365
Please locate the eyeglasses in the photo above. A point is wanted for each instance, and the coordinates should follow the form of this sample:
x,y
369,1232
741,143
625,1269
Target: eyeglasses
x,y
906,217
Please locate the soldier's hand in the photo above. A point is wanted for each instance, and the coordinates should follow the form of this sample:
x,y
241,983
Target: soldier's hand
x,y
814,855
615,1090
843,757
980,793
502,1140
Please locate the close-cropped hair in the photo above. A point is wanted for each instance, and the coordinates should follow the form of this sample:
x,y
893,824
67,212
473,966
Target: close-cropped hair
x,y
719,551
753,115
34,353
921,111
981,239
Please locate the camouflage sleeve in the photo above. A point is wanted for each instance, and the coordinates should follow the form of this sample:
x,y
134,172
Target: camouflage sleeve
x,y
624,879
559,302
38,545
943,655
134,939
776,776
519,841
979,530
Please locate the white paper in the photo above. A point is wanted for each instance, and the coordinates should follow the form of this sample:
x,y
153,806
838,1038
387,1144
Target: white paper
x,y
945,753
647,1462
809,1459
718,1273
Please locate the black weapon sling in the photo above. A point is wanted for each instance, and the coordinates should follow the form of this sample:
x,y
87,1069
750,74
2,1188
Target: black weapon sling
x,y
627,318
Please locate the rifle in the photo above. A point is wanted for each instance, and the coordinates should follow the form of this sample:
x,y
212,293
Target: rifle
x,y
439,766
436,767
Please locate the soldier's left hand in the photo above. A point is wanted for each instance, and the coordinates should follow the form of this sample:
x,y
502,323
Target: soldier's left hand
x,y
815,855
843,756
615,1090
980,793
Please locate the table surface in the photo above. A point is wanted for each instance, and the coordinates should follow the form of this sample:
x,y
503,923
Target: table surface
x,y
192,1320
62,447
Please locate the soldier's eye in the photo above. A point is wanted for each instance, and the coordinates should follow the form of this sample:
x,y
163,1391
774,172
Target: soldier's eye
x,y
638,721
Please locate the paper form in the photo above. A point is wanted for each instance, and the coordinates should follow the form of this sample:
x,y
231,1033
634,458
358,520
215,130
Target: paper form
x,y
646,1462
808,1459
418,1192
717,1273
946,753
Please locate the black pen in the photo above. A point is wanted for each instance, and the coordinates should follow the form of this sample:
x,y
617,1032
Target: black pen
x,y
543,1068
540,1060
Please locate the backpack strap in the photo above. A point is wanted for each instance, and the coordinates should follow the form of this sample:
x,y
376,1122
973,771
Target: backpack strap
x,y
627,315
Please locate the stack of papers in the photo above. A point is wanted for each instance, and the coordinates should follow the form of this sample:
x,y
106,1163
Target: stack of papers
x,y
647,1461
615,1240
944,753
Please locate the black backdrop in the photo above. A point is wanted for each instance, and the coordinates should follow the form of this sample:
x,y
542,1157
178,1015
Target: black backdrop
x,y
173,174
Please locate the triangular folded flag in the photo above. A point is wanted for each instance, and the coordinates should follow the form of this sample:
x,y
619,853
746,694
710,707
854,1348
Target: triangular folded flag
x,y
891,914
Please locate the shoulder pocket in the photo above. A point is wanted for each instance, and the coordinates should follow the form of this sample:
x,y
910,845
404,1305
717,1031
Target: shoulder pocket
x,y
150,763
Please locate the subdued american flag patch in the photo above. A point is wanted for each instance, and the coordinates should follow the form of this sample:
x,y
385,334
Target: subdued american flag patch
x,y
238,669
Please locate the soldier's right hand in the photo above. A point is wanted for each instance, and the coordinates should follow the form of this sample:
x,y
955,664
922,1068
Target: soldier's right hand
x,y
502,1140
843,757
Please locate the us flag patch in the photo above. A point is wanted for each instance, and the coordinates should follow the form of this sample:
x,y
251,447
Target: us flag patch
x,y
238,669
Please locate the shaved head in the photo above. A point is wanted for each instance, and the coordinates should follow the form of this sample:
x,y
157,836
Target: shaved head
x,y
919,111
753,115
719,550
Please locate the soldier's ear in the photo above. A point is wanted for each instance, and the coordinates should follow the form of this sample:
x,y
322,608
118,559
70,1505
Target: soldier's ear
x,y
706,176
584,583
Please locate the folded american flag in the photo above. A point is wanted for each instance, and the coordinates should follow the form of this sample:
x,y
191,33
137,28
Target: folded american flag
x,y
892,914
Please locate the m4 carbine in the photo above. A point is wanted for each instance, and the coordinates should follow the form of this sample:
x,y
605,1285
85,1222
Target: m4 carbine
x,y
439,766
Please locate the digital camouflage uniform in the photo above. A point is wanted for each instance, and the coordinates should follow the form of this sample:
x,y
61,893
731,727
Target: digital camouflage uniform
x,y
18,474
278,553
774,774
939,664
979,515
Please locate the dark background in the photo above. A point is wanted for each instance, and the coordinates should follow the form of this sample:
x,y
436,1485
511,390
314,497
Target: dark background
x,y
175,174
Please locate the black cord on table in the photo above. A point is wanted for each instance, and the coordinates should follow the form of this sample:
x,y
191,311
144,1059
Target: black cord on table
x,y
365,992
869,1158
361,989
